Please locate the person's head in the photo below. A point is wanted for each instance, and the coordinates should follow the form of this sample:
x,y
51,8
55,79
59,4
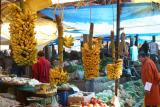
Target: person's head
x,y
142,56
40,53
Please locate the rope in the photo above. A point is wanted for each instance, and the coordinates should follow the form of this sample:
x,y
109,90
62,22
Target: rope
x,y
90,11
142,26
113,14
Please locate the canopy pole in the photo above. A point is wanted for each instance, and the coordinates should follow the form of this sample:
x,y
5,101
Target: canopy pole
x,y
117,43
60,41
0,35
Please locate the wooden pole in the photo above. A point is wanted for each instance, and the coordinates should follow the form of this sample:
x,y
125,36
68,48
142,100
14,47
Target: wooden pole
x,y
117,42
60,41
0,35
91,81
21,4
90,35
136,42
113,46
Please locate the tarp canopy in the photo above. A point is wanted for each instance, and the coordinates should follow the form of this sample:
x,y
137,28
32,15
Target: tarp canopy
x,y
139,1
136,18
45,32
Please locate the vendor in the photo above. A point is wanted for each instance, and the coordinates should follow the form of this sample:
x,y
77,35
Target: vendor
x,y
40,70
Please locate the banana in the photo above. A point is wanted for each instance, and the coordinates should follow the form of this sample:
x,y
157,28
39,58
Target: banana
x,y
23,42
57,77
68,41
91,59
114,71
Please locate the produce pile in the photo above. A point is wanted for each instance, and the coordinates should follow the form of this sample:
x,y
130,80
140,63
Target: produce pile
x,y
130,94
57,77
23,42
94,102
91,59
114,71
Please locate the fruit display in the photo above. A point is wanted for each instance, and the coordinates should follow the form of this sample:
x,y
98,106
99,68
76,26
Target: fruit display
x,y
114,71
94,103
57,77
91,59
68,41
15,80
23,42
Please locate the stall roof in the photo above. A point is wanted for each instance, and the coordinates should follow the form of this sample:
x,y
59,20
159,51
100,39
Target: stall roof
x,y
136,18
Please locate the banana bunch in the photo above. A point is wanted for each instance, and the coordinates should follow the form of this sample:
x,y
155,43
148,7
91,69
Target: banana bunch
x,y
57,77
114,71
9,10
68,41
91,59
23,42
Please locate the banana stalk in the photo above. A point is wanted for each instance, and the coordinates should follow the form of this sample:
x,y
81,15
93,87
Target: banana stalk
x,y
60,41
113,46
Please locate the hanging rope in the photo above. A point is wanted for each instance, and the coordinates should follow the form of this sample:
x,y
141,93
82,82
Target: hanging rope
x,y
60,8
90,11
113,13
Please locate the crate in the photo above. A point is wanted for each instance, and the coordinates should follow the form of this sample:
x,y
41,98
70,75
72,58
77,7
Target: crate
x,y
63,97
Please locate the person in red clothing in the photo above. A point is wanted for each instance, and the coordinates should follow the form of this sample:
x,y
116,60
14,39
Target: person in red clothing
x,y
40,70
151,80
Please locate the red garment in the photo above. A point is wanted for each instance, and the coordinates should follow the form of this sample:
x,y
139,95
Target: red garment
x,y
149,73
40,70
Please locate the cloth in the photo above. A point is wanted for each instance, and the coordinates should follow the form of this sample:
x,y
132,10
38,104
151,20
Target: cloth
x,y
149,73
40,70
151,106
134,53
153,47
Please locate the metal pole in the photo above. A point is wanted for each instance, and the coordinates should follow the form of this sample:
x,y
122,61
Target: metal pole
x,y
117,42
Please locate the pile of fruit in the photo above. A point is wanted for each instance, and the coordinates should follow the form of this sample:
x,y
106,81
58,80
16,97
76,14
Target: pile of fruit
x,y
94,103
57,77
91,59
23,42
114,71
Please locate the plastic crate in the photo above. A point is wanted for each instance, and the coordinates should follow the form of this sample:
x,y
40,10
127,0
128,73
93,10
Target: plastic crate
x,y
63,97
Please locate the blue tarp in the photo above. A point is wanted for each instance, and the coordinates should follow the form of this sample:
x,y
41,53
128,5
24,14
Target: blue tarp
x,y
105,17
105,13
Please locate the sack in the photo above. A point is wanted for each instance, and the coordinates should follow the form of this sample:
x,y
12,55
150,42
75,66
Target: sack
x,y
36,5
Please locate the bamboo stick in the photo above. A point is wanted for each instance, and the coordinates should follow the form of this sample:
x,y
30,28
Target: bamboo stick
x,y
60,41
90,35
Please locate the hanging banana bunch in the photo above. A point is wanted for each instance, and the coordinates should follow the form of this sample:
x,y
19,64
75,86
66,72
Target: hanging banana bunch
x,y
114,71
91,59
57,77
9,10
68,41
23,42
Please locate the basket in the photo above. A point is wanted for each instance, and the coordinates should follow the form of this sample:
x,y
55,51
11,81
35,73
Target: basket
x,y
45,89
